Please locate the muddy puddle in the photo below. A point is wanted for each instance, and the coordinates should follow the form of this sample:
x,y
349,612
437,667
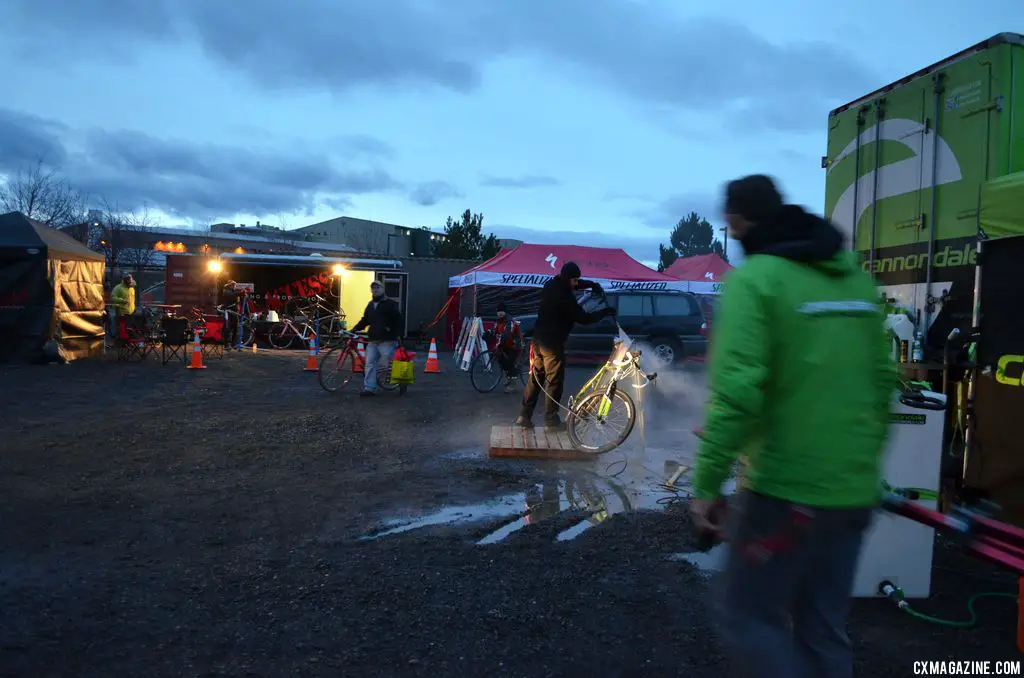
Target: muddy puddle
x,y
581,499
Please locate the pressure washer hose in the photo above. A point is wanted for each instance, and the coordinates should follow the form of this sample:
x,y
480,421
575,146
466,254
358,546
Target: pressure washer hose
x,y
895,595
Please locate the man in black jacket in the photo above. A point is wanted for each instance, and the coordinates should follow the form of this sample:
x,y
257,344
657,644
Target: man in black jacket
x,y
557,314
383,317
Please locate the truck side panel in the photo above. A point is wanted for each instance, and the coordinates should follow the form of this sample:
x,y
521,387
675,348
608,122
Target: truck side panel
x,y
975,122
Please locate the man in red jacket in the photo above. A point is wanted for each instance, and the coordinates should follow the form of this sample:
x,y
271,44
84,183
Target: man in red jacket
x,y
508,342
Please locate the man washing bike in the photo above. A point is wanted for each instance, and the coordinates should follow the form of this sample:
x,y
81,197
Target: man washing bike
x,y
559,311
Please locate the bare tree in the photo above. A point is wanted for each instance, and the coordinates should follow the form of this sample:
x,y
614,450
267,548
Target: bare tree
x,y
41,193
121,236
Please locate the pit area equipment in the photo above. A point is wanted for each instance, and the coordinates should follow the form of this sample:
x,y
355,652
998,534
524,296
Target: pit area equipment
x,y
898,550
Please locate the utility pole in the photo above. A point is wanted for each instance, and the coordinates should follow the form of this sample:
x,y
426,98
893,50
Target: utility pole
x,y
725,242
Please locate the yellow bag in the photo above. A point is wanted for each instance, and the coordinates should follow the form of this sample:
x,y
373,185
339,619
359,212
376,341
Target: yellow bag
x,y
402,370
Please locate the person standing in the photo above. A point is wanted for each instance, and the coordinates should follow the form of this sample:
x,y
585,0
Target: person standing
x,y
800,381
558,313
122,298
383,321
229,302
508,342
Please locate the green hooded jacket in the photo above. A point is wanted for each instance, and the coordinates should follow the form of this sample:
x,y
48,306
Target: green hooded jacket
x,y
801,376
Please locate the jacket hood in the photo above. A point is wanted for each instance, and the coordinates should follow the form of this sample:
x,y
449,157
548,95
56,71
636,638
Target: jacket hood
x,y
795,234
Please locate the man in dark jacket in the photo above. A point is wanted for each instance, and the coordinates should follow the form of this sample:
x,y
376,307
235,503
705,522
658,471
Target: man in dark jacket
x,y
383,317
557,314
229,302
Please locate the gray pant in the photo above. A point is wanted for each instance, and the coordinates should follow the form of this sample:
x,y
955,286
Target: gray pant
x,y
786,587
378,357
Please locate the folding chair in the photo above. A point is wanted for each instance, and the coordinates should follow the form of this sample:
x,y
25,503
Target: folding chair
x,y
213,341
131,339
175,338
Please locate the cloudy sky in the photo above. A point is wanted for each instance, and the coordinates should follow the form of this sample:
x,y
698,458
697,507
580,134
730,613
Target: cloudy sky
x,y
594,122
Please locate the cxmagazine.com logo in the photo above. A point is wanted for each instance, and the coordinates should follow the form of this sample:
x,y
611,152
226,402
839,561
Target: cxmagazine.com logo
x,y
965,668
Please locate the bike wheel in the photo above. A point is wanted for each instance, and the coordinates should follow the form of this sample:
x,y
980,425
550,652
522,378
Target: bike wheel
x,y
281,335
336,369
613,428
523,367
485,372
384,379
248,333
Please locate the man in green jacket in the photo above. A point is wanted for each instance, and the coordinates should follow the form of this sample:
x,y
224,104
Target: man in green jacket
x,y
801,382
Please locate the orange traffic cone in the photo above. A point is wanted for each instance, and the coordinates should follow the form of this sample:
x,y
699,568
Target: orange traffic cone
x,y
359,359
433,366
197,354
311,365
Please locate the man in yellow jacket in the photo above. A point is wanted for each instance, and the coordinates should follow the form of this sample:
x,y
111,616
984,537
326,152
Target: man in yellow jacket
x,y
122,298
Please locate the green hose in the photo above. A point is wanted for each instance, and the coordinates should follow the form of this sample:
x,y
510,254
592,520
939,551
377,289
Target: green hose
x,y
966,624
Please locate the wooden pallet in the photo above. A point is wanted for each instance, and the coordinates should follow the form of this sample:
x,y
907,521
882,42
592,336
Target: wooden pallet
x,y
515,441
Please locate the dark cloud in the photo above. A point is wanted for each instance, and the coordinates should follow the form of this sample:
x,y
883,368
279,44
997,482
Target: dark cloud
x,y
28,139
526,181
358,145
430,193
129,169
665,214
646,52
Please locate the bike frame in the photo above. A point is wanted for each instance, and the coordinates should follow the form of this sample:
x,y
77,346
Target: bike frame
x,y
617,371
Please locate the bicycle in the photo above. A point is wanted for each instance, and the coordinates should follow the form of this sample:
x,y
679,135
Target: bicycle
x,y
232,318
600,398
283,334
486,372
339,362
327,322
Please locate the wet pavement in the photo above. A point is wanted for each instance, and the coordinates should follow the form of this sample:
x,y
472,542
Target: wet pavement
x,y
225,523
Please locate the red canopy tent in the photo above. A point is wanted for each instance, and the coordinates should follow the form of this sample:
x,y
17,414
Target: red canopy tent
x,y
704,272
515,277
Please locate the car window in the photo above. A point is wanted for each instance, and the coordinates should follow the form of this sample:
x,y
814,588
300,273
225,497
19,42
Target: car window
x,y
677,305
635,305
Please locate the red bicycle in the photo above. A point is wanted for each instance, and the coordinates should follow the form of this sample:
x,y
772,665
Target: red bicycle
x,y
338,366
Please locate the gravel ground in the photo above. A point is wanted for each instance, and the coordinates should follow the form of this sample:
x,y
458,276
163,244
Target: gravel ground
x,y
158,521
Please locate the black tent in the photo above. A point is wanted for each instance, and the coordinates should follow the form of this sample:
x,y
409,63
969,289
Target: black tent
x,y
51,289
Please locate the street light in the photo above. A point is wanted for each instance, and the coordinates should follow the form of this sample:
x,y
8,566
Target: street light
x,y
215,266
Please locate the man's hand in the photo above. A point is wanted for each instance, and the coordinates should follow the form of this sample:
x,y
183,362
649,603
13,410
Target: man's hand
x,y
703,512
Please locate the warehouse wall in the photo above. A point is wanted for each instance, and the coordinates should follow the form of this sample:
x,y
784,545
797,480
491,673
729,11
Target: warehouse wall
x,y
428,287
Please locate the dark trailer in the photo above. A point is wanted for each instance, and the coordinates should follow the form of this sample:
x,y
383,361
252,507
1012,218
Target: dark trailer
x,y
51,290
282,282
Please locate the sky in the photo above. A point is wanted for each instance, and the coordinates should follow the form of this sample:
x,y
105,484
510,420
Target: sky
x,y
590,122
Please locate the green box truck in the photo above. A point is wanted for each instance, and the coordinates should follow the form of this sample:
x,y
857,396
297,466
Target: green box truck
x,y
906,167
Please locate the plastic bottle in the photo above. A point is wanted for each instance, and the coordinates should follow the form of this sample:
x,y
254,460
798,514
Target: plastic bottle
x,y
917,352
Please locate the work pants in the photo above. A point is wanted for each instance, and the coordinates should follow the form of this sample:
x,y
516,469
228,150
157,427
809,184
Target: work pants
x,y
549,370
786,588
378,359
